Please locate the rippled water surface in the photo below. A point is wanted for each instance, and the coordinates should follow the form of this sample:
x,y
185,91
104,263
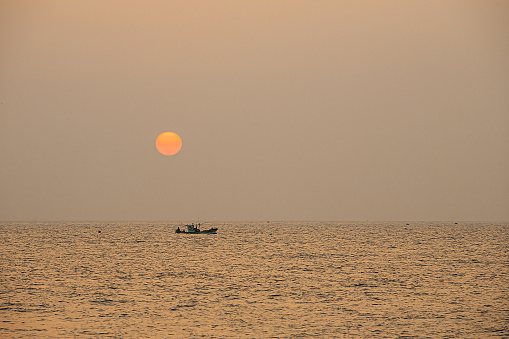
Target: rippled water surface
x,y
254,280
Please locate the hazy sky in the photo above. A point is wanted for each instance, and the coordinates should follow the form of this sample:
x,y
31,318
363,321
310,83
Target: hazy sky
x,y
288,110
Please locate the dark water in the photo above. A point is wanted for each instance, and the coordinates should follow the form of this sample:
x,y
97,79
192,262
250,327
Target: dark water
x,y
254,280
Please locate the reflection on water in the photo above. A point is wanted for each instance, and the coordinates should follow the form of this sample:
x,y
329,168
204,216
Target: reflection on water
x,y
254,280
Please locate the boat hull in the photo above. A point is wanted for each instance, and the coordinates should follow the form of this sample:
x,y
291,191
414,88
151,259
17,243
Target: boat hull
x,y
209,231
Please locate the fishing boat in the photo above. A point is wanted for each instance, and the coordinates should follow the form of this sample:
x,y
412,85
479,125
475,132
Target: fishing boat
x,y
192,229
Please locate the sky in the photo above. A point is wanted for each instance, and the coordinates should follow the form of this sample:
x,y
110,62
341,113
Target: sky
x,y
287,110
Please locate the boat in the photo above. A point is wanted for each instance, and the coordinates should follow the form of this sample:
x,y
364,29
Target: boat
x,y
192,229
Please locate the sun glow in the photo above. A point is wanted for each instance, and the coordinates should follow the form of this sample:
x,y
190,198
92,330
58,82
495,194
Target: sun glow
x,y
168,143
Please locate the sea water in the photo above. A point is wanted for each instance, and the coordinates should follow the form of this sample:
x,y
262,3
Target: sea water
x,y
254,280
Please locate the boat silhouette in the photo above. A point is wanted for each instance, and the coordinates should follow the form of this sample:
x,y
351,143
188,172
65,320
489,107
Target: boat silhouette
x,y
192,229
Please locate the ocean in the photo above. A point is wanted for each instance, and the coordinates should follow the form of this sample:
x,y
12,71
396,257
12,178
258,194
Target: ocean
x,y
255,280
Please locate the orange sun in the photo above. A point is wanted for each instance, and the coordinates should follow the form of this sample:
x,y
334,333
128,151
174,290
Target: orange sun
x,y
168,143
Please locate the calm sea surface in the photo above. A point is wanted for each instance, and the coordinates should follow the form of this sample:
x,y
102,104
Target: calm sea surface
x,y
254,280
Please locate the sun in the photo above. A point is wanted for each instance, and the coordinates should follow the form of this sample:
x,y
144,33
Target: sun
x,y
168,143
